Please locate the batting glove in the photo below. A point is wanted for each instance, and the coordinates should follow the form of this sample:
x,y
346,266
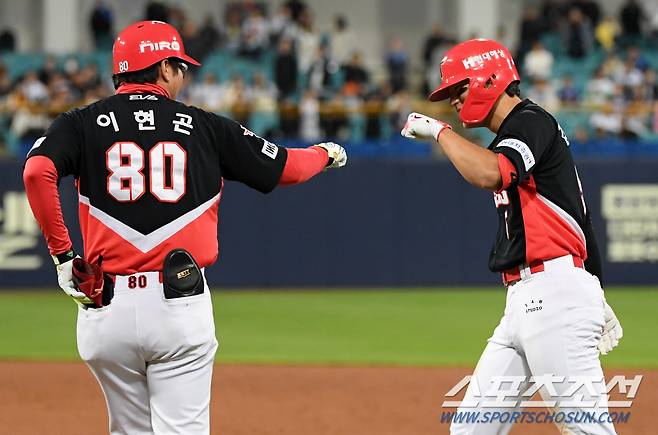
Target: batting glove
x,y
337,154
423,127
64,265
612,331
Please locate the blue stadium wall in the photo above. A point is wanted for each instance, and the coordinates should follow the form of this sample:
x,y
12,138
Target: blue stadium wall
x,y
375,223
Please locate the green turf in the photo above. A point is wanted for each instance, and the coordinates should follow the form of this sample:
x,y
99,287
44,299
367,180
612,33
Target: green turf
x,y
384,327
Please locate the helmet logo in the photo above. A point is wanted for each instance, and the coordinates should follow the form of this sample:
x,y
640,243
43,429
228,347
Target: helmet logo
x,y
478,59
157,46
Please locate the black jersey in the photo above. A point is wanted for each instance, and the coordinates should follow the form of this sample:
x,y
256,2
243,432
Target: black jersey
x,y
150,172
541,207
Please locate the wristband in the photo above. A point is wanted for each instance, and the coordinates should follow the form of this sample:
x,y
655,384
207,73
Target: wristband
x,y
63,257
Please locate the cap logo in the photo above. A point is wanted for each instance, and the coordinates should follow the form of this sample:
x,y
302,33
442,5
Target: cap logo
x,y
478,59
157,46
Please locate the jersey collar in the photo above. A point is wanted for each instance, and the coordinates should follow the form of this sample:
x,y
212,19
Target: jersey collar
x,y
142,88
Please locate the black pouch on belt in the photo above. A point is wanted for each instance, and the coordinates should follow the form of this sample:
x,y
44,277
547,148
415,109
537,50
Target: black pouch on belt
x,y
181,275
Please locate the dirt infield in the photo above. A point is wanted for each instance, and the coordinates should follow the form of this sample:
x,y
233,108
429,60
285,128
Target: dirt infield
x,y
63,398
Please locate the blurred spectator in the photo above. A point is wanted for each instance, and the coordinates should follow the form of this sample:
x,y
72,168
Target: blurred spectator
x,y
631,16
606,122
538,63
157,11
649,87
308,41
551,13
263,118
210,35
589,8
342,40
568,94
84,79
255,33
531,30
635,121
599,89
629,75
297,9
433,41
607,32
233,26
353,106
355,72
7,41
194,44
543,93
634,55
282,26
177,16
309,114
577,34
322,73
32,88
398,106
611,65
207,94
101,23
396,63
235,96
48,69
285,69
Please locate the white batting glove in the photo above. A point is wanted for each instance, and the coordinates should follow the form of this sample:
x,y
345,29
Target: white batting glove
x,y
65,280
423,127
612,331
337,154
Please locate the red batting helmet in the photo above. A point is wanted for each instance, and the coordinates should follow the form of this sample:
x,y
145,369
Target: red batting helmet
x,y
487,66
142,44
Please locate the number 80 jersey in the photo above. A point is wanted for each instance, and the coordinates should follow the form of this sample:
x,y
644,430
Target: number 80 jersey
x,y
150,172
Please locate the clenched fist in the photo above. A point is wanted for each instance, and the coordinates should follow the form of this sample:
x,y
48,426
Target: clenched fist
x,y
423,127
337,154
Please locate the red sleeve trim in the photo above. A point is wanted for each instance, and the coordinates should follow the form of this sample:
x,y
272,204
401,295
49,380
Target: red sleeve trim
x,y
302,164
507,171
40,179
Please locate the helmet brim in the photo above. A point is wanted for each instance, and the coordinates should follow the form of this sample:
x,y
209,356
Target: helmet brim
x,y
443,91
439,94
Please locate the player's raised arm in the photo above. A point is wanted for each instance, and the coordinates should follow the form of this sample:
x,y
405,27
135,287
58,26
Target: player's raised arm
x,y
262,165
477,165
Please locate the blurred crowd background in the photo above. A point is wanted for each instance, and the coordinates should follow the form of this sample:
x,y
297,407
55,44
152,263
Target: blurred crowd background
x,y
269,66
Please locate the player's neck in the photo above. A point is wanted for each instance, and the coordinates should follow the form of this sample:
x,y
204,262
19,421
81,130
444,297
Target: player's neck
x,y
503,107
168,86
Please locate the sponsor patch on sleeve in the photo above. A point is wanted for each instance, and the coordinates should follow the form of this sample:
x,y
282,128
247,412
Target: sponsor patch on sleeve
x,y
269,149
521,148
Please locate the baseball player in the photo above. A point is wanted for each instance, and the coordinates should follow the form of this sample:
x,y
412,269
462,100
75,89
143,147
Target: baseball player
x,y
149,173
556,319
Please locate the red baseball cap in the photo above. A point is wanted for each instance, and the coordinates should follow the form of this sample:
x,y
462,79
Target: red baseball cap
x,y
145,43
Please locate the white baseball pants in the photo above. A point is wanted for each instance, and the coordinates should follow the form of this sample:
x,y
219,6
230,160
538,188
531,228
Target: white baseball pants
x,y
152,357
560,339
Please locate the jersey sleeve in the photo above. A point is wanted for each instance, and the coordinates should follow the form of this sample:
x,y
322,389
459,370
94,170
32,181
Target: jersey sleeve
x,y
61,144
526,138
248,158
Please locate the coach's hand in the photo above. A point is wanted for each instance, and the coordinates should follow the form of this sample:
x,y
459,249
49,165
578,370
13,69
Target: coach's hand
x,y
65,280
423,127
337,154
612,331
